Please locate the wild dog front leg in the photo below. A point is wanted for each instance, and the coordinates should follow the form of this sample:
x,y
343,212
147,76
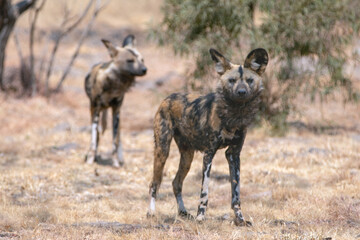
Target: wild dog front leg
x,y
91,155
117,153
207,161
233,158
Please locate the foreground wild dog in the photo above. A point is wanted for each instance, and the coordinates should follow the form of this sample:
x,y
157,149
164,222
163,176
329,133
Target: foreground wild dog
x,y
106,86
208,123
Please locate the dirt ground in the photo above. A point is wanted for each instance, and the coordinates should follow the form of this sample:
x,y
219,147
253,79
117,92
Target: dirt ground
x,y
305,185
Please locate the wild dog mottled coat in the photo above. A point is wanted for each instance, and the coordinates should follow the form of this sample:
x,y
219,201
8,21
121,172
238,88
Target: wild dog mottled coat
x,y
106,86
208,123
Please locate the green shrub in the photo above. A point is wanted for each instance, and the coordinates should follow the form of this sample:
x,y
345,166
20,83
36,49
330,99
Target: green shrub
x,y
306,41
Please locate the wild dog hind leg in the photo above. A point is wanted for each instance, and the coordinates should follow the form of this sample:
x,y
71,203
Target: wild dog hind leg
x,y
117,152
162,135
186,158
91,155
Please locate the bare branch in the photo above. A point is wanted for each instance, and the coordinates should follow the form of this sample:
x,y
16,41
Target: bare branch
x,y
60,36
22,6
8,16
43,58
85,33
31,43
79,20
24,70
18,47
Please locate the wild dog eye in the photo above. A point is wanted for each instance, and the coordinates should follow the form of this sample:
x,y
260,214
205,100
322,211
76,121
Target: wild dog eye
x,y
249,81
130,60
232,80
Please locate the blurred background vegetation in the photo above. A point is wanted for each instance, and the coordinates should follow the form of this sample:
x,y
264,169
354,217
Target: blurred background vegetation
x,y
309,43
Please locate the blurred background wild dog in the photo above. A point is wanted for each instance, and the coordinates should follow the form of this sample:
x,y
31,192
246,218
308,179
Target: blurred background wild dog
x,y
106,85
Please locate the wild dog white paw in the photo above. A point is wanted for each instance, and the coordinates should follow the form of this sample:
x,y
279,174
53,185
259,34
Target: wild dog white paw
x,y
200,217
90,158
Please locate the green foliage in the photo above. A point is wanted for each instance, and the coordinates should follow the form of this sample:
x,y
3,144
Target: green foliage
x,y
306,40
192,27
320,30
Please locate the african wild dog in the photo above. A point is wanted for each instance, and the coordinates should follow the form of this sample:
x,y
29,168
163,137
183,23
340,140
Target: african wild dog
x,y
106,86
208,123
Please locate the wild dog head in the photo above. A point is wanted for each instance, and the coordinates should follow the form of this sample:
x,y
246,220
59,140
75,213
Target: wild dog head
x,y
126,59
239,83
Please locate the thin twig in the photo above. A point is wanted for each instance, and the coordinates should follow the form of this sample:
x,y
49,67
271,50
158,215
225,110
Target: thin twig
x,y
31,43
43,58
85,33
18,47
23,73
60,36
8,16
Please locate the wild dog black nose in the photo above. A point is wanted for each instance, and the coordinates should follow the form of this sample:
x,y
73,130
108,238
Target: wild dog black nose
x,y
144,70
241,92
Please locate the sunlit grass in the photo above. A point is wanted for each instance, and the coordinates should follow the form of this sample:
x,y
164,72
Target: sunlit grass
x,y
295,187
305,185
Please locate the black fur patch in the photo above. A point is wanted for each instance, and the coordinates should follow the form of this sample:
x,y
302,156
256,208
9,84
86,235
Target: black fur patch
x,y
241,71
128,40
115,124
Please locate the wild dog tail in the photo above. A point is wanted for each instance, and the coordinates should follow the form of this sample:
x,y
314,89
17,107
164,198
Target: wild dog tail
x,y
163,134
103,122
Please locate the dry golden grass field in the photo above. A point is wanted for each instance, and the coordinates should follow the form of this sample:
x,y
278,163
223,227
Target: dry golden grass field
x,y
305,185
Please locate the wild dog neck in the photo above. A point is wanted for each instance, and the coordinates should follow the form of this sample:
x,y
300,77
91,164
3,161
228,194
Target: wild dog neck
x,y
236,115
126,77
116,74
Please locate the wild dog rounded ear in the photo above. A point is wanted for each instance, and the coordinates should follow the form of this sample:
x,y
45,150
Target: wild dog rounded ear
x,y
257,60
129,41
111,48
221,63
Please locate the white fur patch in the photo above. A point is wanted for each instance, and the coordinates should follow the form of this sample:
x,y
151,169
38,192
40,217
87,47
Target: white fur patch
x,y
112,71
205,187
219,68
152,205
200,217
120,153
254,65
93,135
135,52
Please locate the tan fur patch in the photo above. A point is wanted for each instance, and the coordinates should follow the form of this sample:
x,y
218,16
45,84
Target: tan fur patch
x,y
177,109
203,120
164,105
214,119
187,111
192,97
226,134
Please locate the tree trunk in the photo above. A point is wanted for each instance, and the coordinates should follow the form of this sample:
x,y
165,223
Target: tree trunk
x,y
8,16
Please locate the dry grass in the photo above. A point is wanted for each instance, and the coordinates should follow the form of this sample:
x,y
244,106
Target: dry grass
x,y
302,186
